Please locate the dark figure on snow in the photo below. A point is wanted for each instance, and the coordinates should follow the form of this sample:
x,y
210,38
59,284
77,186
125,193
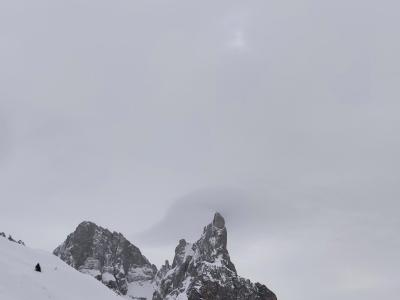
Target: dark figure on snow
x,y
38,268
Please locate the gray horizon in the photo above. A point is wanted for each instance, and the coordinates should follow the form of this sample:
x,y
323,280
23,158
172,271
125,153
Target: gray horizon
x,y
146,117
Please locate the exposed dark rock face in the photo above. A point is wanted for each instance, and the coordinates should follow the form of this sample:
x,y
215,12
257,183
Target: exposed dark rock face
x,y
107,256
199,271
11,239
204,271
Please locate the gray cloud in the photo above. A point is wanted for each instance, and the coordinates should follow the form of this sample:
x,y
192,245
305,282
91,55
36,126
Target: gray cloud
x,y
146,117
307,235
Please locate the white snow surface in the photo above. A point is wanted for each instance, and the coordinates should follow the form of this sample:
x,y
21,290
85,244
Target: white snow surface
x,y
107,277
141,289
57,281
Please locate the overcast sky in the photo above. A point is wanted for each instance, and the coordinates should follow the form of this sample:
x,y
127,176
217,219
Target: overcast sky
x,y
148,116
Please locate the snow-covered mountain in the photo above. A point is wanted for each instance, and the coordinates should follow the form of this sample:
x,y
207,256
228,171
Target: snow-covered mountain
x,y
57,281
11,239
204,270
199,271
109,257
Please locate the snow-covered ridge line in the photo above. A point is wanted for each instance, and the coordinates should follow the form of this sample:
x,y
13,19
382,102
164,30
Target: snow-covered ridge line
x,y
57,281
11,239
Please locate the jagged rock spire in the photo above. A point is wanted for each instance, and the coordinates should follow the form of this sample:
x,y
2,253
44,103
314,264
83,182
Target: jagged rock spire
x,y
212,245
204,270
218,221
200,271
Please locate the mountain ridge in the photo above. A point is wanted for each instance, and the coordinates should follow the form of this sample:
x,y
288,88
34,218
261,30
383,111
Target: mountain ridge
x,y
201,270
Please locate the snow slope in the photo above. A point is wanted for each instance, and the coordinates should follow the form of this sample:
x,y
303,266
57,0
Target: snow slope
x,y
58,281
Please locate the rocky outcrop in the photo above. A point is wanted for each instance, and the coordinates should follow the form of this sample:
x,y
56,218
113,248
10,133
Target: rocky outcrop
x,y
11,239
109,257
204,270
200,271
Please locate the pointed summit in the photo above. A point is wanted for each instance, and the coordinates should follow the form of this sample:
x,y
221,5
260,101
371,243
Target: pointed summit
x,y
214,238
84,224
199,270
204,270
107,256
218,221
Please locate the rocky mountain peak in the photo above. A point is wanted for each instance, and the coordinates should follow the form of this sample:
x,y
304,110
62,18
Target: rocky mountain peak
x,y
218,221
107,256
181,252
212,245
204,270
86,225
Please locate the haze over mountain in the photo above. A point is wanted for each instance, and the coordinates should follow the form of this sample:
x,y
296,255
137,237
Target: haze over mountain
x,y
148,116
